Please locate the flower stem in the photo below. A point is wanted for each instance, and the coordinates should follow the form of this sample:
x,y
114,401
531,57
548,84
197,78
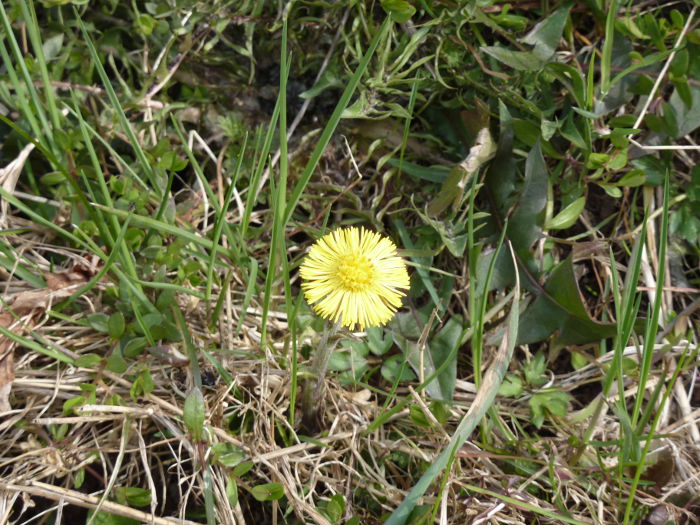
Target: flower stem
x,y
313,387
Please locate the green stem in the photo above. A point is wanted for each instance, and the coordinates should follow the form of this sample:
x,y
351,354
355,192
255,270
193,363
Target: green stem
x,y
313,387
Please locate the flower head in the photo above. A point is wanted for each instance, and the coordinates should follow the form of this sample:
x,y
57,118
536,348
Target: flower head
x,y
354,276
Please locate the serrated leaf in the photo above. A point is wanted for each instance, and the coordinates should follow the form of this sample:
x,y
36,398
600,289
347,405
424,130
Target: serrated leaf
x,y
552,402
512,386
535,370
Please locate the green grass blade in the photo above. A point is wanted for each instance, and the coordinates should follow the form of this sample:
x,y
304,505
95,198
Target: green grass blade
x,y
279,197
606,59
482,402
156,183
335,119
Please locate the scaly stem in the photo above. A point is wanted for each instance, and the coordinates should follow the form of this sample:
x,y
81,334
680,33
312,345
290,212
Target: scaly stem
x,y
313,387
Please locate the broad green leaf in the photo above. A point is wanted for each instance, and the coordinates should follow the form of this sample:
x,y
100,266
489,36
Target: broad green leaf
x,y
99,322
546,34
441,346
399,10
228,454
503,272
512,386
393,369
116,364
561,308
104,518
535,370
520,60
525,224
232,491
687,118
193,414
133,496
88,361
268,491
336,508
567,217
116,325
379,342
552,402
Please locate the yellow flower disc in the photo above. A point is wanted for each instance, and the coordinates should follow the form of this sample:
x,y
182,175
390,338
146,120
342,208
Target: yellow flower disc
x,y
354,276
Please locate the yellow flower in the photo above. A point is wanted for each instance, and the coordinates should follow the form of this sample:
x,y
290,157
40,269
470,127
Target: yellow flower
x,y
354,276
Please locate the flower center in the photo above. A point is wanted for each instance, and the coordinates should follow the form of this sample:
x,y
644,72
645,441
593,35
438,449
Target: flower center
x,y
355,272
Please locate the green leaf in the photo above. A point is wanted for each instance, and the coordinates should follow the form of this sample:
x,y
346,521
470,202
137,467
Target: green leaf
x,y
525,224
116,364
544,403
99,322
687,118
335,508
193,414
145,24
450,192
378,342
52,46
329,79
242,469
535,370
116,325
143,385
268,491
103,518
79,479
418,417
440,348
546,34
134,347
567,217
88,361
394,369
228,454
232,491
632,179
519,60
399,10
512,386
133,496
561,308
